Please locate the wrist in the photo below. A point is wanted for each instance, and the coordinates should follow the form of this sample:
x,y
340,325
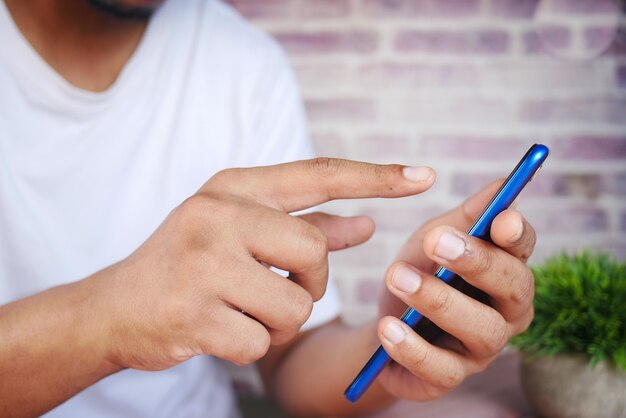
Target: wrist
x,y
95,312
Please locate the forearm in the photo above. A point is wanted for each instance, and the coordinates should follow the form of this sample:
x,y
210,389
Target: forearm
x,y
51,349
312,376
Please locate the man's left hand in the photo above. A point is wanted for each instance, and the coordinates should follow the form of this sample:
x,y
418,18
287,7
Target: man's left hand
x,y
475,332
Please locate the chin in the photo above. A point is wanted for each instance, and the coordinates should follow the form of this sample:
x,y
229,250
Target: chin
x,y
126,9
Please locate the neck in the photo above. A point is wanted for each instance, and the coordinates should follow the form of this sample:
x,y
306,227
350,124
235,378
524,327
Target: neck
x,y
86,47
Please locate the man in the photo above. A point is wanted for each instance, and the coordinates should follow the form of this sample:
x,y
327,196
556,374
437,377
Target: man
x,y
130,255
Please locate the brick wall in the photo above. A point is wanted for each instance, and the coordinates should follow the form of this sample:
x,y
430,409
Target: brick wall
x,y
464,86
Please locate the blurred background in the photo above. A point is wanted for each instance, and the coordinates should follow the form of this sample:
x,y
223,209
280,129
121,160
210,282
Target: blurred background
x,y
464,86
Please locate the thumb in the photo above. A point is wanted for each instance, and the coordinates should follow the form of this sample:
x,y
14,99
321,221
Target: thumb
x,y
341,232
461,217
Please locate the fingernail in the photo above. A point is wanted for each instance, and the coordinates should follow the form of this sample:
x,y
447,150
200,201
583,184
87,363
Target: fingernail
x,y
417,174
519,230
406,280
450,247
394,333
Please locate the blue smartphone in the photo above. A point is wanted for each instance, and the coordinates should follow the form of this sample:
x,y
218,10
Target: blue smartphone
x,y
504,197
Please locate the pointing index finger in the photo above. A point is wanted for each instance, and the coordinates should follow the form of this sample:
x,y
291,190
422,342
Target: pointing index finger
x,y
302,184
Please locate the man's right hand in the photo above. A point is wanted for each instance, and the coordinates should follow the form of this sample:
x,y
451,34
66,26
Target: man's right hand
x,y
198,285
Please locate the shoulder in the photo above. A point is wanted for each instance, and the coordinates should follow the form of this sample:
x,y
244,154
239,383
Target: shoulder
x,y
223,31
229,22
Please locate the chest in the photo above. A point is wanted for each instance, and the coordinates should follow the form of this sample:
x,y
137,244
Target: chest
x,y
80,193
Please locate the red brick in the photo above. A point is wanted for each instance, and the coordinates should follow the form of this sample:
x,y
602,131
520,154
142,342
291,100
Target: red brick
x,y
442,41
330,145
449,111
549,77
614,184
472,147
383,145
327,42
261,9
547,39
421,8
591,110
466,184
571,220
345,110
405,220
409,75
599,38
619,43
585,7
546,184
589,148
368,290
371,254
322,9
456,74
552,247
523,9
324,75
621,77
550,184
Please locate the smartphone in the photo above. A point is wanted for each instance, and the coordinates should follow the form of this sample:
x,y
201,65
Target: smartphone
x,y
523,173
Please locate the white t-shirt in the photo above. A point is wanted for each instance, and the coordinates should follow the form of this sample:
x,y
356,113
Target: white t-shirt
x,y
86,177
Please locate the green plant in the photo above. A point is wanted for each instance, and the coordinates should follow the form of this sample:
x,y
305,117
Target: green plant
x,y
580,307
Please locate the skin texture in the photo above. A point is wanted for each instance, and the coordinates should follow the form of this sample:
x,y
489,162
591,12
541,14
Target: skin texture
x,y
300,379
478,332
182,293
86,47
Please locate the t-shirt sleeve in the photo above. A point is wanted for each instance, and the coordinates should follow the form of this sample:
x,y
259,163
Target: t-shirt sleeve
x,y
279,134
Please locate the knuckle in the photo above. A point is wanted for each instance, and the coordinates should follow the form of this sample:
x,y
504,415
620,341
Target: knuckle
x,y
433,391
497,335
524,288
325,167
525,251
528,242
419,356
192,216
226,176
484,262
302,306
261,344
280,337
385,175
479,366
255,347
318,245
195,207
381,172
317,288
440,303
525,321
453,378
203,208
532,237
